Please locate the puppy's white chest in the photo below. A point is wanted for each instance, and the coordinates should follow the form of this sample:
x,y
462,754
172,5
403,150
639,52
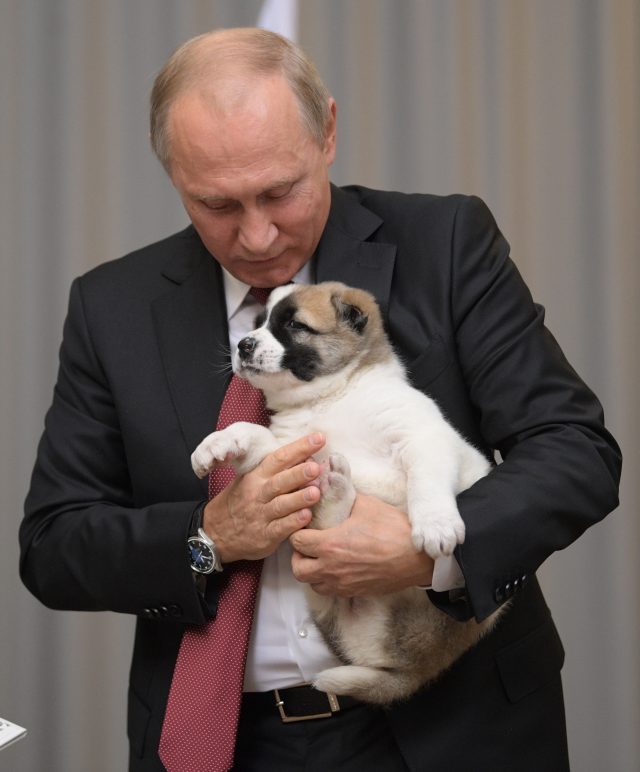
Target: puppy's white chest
x,y
351,431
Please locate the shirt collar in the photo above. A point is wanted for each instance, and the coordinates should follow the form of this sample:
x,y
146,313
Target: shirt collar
x,y
235,291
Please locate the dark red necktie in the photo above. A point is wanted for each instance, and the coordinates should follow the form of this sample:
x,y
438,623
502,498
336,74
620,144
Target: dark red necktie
x,y
201,720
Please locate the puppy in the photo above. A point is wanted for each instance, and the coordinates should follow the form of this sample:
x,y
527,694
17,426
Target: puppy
x,y
324,363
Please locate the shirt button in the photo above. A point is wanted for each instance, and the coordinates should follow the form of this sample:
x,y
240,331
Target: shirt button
x,y
302,632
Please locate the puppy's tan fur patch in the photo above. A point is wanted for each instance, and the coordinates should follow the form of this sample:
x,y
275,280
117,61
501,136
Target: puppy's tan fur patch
x,y
320,307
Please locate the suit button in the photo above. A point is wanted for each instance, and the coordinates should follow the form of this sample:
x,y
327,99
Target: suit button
x,y
174,610
508,590
499,595
164,611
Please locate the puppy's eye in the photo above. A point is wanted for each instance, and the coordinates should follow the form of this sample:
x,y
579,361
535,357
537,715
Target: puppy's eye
x,y
293,324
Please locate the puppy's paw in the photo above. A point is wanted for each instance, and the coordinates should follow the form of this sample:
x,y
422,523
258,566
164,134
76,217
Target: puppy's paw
x,y
345,679
438,534
377,685
220,449
338,492
335,479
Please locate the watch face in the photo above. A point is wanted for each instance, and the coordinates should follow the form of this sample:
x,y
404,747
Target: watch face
x,y
201,555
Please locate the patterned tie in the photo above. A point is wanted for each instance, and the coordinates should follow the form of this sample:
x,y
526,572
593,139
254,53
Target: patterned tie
x,y
201,719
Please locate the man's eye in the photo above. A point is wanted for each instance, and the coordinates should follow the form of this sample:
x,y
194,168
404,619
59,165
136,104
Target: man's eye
x,y
293,324
281,192
220,207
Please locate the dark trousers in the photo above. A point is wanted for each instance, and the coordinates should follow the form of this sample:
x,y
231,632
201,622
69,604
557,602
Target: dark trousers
x,y
352,740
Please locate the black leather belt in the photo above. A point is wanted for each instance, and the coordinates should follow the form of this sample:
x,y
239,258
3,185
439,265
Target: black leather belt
x,y
304,703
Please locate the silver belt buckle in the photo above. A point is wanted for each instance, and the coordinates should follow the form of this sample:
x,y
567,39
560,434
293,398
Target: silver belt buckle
x,y
332,699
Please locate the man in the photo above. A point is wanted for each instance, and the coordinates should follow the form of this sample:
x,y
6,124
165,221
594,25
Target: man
x,y
247,133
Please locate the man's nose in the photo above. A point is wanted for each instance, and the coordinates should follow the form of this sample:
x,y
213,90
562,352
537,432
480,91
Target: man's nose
x,y
246,347
256,232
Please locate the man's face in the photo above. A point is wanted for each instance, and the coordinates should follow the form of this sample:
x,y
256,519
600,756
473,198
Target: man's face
x,y
253,181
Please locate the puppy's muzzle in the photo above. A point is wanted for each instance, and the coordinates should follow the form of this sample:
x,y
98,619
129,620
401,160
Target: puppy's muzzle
x,y
246,347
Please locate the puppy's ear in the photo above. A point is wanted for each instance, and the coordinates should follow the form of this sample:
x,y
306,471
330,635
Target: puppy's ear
x,y
349,313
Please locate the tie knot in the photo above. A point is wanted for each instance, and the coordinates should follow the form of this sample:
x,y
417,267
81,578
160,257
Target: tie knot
x,y
260,294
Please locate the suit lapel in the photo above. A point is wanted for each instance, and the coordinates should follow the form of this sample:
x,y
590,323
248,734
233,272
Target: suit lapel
x,y
345,255
191,325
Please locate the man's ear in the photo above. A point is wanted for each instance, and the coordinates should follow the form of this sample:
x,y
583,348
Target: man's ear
x,y
329,148
351,314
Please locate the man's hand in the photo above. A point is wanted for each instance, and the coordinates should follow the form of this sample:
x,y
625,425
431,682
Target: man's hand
x,y
256,512
370,553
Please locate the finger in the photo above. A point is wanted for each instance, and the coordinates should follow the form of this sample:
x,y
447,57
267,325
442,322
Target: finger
x,y
283,527
292,454
303,568
306,543
289,503
299,476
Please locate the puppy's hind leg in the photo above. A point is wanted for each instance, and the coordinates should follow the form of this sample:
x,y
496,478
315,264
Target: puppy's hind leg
x,y
377,686
338,493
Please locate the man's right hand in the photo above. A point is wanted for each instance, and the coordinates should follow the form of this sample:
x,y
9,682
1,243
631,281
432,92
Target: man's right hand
x,y
255,513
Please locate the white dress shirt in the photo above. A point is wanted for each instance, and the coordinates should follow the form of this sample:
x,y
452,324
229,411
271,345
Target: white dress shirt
x,y
285,647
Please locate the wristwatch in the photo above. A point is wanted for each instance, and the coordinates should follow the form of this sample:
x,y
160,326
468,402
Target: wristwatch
x,y
203,554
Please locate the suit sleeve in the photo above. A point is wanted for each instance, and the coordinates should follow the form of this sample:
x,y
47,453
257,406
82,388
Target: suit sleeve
x,y
84,545
561,468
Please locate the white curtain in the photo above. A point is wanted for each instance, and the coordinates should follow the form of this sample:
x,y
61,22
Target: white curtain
x,y
534,106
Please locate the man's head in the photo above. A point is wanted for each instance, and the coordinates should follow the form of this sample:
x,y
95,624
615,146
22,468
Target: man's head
x,y
246,131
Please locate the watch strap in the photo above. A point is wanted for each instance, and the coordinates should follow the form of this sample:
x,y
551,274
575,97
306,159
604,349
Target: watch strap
x,y
196,519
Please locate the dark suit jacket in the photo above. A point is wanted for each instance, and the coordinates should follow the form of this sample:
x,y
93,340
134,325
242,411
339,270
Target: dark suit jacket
x,y
139,386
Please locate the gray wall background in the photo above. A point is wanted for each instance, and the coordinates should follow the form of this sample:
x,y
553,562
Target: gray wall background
x,y
535,106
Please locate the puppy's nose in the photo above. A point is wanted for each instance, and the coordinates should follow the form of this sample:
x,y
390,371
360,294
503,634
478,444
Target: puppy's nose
x,y
246,347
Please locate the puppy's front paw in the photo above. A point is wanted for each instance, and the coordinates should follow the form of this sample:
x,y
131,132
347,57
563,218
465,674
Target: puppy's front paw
x,y
439,533
219,449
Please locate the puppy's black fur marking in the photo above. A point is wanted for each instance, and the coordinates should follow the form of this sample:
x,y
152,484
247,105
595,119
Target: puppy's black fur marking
x,y
303,361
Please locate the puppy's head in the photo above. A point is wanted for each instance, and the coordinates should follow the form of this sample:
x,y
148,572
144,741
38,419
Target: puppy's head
x,y
311,335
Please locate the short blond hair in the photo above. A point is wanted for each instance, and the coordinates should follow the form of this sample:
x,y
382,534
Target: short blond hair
x,y
249,50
